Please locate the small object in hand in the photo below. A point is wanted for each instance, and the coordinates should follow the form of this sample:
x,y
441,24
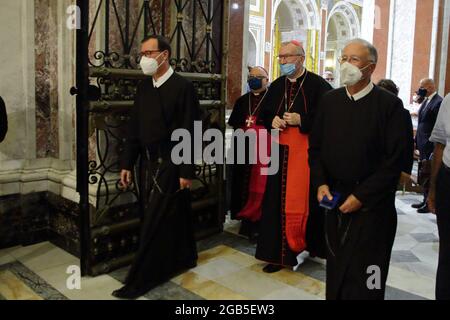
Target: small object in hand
x,y
330,204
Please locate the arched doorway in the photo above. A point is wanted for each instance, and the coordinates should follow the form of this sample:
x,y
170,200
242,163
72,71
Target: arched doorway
x,y
343,25
252,51
299,20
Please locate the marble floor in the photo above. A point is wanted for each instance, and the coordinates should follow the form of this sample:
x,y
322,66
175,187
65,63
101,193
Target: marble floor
x,y
227,270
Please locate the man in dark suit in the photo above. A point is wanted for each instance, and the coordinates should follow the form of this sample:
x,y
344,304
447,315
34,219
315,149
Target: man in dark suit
x,y
427,119
3,120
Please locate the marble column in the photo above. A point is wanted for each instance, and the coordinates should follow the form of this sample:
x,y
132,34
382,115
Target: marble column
x,y
442,66
381,36
323,37
235,52
46,49
402,47
268,36
422,42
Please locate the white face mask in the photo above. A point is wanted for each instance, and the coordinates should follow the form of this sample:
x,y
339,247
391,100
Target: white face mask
x,y
150,66
350,74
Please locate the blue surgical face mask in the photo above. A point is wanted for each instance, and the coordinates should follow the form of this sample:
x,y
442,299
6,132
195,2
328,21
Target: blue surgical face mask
x,y
287,69
255,83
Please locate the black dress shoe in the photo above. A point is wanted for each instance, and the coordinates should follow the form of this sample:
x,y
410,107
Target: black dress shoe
x,y
127,293
418,205
271,268
424,209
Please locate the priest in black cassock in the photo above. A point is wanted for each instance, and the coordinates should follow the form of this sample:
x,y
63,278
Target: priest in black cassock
x,y
247,182
164,102
290,107
357,149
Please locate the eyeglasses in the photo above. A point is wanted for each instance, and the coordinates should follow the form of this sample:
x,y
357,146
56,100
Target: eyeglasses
x,y
352,60
148,53
286,56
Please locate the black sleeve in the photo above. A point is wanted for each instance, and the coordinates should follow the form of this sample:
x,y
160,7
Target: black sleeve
x,y
234,121
373,189
435,112
409,137
269,107
131,143
307,120
3,120
191,113
318,175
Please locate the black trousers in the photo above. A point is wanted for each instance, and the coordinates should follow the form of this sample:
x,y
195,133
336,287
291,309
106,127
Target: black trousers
x,y
443,222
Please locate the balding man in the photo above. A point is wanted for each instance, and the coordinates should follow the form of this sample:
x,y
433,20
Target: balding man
x,y
247,183
329,77
356,155
428,113
290,106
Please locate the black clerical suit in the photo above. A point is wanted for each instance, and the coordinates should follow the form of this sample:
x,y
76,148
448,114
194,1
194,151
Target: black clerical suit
x,y
428,113
167,244
273,246
357,147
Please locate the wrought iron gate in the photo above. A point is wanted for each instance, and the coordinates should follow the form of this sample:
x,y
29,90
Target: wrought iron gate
x,y
107,74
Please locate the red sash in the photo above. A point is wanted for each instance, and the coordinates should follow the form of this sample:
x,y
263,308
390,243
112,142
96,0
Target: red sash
x,y
295,198
257,184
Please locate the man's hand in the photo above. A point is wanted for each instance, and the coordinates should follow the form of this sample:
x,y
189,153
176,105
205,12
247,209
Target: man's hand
x,y
292,119
185,184
125,178
351,205
431,201
322,192
278,123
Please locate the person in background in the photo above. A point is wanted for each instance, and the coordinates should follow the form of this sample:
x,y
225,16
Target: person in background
x,y
247,183
329,77
408,161
427,119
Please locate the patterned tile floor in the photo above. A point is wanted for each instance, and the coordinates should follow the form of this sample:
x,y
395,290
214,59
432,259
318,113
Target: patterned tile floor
x,y
227,270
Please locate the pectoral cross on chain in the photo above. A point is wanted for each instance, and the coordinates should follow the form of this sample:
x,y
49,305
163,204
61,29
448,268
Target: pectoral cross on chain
x,y
250,121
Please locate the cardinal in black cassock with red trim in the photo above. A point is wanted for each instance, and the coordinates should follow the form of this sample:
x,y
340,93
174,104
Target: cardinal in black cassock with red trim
x,y
290,223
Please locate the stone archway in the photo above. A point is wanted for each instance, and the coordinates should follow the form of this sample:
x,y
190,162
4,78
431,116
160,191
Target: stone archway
x,y
252,50
299,20
305,13
343,24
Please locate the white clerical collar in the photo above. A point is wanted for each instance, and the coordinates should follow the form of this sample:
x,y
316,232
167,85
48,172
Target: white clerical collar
x,y
431,96
259,93
361,94
166,76
295,79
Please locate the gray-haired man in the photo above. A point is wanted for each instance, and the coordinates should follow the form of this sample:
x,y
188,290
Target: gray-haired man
x,y
356,150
